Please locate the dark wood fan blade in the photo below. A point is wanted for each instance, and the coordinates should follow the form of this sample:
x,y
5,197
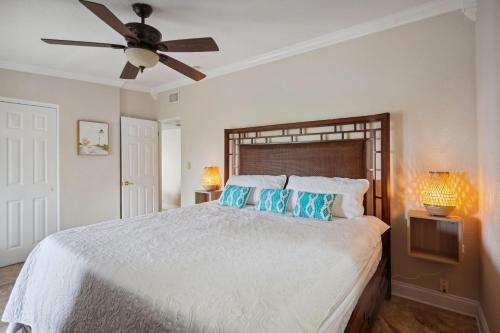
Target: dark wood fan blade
x,y
129,72
189,45
182,67
109,18
79,43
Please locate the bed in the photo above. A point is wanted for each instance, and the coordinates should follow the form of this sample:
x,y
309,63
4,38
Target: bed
x,y
207,268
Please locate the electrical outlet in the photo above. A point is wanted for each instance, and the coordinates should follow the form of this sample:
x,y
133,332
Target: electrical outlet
x,y
443,286
189,165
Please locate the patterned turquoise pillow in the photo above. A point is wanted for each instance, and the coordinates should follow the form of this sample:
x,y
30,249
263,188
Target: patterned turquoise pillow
x,y
234,196
271,200
314,205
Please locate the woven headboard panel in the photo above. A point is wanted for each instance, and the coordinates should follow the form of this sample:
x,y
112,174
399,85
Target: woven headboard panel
x,y
330,158
356,147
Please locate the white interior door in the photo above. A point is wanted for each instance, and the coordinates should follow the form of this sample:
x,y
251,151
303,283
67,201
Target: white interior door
x,y
139,163
28,178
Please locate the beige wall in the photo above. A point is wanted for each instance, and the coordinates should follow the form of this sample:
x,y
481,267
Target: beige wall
x,y
488,110
89,185
137,104
422,73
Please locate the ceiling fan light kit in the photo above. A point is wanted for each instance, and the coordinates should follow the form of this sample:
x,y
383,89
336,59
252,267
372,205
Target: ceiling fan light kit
x,y
142,58
143,43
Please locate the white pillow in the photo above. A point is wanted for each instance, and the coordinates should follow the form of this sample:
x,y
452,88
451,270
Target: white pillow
x,y
350,192
257,182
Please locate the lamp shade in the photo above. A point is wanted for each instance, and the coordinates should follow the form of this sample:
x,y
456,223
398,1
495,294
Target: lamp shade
x,y
141,57
211,179
438,197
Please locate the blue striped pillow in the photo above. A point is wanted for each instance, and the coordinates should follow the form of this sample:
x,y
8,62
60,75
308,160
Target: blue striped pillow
x,y
314,205
234,196
271,200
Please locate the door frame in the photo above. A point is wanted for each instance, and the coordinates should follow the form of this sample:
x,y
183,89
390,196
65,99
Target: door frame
x,y
169,121
55,107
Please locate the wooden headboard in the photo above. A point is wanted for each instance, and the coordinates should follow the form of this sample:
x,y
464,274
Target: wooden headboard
x,y
356,147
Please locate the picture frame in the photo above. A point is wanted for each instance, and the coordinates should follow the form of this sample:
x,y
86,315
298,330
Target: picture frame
x,y
93,138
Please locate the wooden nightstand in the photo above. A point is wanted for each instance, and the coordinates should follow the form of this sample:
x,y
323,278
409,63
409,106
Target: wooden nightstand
x,y
205,196
434,238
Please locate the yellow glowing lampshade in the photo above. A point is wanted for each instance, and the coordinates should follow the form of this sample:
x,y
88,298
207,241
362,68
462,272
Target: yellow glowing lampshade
x,y
438,197
211,179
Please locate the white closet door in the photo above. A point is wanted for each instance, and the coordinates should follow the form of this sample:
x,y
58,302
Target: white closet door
x,y
28,178
139,163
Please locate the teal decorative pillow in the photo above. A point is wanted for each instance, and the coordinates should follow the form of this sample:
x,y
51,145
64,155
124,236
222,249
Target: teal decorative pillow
x,y
314,205
273,200
234,196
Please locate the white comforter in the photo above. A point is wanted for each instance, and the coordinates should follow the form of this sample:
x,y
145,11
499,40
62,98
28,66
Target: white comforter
x,y
203,268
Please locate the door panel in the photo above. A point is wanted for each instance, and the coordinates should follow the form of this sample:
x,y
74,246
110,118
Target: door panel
x,y
40,161
14,220
139,161
14,161
40,218
28,178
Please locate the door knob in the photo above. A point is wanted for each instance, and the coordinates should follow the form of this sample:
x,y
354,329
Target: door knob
x,y
126,183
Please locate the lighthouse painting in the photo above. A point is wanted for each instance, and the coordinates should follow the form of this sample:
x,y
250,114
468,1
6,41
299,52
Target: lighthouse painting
x,y
93,138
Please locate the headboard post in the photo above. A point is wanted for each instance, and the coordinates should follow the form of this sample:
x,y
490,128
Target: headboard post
x,y
386,204
386,174
226,154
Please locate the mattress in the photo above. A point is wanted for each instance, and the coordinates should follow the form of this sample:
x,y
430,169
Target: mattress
x,y
338,318
203,268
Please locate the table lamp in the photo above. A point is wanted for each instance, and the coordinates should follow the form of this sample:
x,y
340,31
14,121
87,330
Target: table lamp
x,y
211,179
438,196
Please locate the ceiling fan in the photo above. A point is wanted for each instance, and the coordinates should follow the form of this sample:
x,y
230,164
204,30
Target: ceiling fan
x,y
144,42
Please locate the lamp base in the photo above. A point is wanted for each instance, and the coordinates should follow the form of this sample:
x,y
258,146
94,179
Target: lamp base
x,y
211,187
439,210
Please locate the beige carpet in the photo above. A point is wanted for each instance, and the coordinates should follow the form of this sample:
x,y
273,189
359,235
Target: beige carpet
x,y
398,315
8,276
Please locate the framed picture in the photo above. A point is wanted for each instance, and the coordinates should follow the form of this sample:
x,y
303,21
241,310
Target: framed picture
x,y
93,138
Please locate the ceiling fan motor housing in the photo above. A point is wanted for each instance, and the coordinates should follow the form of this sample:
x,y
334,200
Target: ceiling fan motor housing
x,y
146,33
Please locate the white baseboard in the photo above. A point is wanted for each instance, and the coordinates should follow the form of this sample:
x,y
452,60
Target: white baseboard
x,y
462,305
481,321
435,298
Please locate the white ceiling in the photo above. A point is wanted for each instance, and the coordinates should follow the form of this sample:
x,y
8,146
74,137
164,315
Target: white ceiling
x,y
242,29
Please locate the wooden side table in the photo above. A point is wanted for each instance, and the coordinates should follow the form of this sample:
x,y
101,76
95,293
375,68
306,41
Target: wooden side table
x,y
205,196
435,238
